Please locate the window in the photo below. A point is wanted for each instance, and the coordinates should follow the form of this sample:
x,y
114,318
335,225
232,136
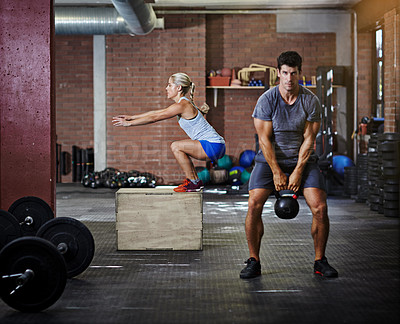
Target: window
x,y
378,75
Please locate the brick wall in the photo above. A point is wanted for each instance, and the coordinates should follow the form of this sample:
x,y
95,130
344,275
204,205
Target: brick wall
x,y
74,93
391,71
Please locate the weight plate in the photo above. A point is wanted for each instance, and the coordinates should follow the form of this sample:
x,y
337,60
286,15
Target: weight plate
x,y
391,136
9,228
48,266
388,147
31,212
392,204
391,195
389,172
390,164
391,188
73,239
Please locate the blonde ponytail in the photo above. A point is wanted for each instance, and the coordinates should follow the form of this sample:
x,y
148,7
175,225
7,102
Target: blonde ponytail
x,y
183,80
204,108
192,87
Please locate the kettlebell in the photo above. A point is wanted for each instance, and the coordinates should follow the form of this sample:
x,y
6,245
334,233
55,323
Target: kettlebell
x,y
286,205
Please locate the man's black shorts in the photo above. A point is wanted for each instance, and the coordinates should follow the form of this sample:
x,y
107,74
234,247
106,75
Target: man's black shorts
x,y
262,178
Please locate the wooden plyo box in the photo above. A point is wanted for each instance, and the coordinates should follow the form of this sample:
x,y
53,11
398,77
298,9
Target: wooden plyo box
x,y
158,219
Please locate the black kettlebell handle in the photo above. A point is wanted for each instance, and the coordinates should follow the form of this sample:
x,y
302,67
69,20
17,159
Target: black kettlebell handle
x,y
295,195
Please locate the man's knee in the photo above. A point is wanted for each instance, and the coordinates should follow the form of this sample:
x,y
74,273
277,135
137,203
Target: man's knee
x,y
316,201
320,211
257,199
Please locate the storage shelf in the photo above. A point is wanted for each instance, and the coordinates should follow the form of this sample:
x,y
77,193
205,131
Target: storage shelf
x,y
215,88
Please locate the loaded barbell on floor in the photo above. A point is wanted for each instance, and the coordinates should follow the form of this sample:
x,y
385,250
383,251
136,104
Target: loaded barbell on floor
x,y
34,270
70,236
33,274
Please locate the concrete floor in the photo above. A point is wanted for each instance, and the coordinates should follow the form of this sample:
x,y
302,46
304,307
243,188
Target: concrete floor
x,y
204,286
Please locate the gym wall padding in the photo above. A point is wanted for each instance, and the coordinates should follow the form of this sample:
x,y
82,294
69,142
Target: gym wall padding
x,y
27,116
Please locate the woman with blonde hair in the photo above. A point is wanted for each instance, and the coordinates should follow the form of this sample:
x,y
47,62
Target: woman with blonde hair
x,y
204,142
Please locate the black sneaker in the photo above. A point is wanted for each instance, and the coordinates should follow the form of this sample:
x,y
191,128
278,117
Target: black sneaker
x,y
322,267
252,269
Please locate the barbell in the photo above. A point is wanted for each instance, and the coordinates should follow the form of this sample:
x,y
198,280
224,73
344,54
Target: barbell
x,y
34,261
33,274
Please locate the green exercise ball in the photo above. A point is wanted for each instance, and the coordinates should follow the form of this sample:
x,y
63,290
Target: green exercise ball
x,y
225,162
203,174
245,177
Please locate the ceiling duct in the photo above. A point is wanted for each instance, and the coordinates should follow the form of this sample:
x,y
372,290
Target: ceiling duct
x,y
89,21
139,16
132,17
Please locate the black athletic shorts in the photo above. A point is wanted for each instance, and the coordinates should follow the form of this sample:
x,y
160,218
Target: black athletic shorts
x,y
262,178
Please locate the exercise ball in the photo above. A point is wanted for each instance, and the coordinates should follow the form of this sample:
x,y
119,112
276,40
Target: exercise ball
x,y
340,162
245,177
225,162
203,174
225,72
235,175
246,158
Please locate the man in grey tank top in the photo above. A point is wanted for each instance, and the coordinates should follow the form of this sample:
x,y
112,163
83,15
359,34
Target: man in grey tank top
x,y
287,120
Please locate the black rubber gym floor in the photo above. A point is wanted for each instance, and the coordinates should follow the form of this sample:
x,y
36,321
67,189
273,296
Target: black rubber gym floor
x,y
204,286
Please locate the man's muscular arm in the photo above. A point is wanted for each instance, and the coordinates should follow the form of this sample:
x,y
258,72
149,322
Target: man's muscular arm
x,y
310,132
265,131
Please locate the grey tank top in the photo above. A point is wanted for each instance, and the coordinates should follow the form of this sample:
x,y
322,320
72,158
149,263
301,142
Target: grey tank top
x,y
198,127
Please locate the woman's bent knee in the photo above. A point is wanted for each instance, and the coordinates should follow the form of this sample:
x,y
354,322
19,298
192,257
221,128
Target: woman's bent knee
x,y
174,147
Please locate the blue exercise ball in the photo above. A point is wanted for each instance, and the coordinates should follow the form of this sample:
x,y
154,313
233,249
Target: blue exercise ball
x,y
246,158
340,162
225,162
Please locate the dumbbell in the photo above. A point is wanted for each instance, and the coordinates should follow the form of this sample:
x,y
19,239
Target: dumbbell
x,y
70,236
286,205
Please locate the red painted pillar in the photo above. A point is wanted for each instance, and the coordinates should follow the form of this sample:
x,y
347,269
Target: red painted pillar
x,y
27,105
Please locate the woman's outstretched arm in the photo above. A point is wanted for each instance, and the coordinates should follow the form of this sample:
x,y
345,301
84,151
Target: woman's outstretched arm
x,y
148,117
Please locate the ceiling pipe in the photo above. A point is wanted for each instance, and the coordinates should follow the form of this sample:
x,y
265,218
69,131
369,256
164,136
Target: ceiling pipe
x,y
139,16
89,21
133,17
